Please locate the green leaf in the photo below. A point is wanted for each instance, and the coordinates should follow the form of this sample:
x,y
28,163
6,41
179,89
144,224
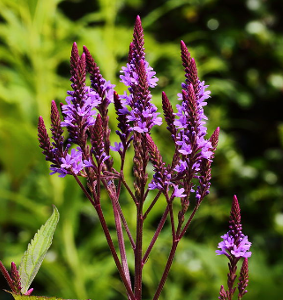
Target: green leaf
x,y
33,257
23,297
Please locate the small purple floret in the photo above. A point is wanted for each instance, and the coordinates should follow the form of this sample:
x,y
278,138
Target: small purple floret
x,y
179,192
117,147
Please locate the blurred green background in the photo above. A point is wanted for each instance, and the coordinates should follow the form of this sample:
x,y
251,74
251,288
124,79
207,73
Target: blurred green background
x,y
238,46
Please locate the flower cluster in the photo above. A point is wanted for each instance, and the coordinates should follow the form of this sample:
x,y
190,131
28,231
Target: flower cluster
x,y
71,162
228,246
86,152
80,114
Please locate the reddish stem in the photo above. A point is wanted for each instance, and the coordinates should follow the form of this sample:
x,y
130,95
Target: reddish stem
x,y
7,276
138,252
113,196
152,204
113,251
156,234
121,242
188,222
97,206
166,270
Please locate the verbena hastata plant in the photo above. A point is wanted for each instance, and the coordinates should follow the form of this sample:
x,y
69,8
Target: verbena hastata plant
x,y
87,155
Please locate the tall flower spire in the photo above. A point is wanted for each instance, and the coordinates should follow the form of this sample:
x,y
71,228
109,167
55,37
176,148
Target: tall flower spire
x,y
138,76
191,117
191,165
79,111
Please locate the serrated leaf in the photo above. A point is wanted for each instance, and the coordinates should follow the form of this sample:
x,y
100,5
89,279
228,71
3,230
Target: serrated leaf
x,y
23,297
33,257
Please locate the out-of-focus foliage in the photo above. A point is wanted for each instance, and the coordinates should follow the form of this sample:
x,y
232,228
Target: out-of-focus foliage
x,y
238,48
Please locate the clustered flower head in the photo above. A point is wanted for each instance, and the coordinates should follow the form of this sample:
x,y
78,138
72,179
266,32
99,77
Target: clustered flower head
x,y
235,245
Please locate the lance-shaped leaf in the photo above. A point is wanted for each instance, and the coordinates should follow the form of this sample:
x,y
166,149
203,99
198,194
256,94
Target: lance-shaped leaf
x,y
23,297
36,251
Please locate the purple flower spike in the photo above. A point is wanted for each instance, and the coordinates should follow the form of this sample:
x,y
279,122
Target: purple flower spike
x,y
190,122
56,129
79,112
235,245
117,147
194,153
138,76
169,115
191,117
44,141
76,112
205,168
16,277
124,128
243,279
96,139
